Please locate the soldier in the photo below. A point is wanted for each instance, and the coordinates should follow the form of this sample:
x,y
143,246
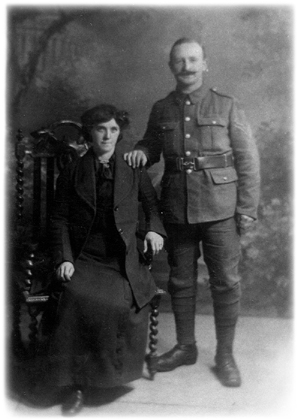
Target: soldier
x,y
210,194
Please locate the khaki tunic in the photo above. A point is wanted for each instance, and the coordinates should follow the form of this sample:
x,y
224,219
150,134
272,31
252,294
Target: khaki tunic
x,y
205,122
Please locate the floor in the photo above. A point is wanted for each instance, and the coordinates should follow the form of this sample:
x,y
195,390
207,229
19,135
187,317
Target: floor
x,y
264,350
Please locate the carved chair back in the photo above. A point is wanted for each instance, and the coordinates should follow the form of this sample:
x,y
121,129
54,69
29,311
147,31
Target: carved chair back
x,y
39,159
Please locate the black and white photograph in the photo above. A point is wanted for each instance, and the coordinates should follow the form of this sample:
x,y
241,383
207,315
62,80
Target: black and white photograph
x,y
149,209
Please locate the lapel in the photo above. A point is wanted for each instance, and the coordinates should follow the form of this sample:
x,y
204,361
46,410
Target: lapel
x,y
123,178
85,181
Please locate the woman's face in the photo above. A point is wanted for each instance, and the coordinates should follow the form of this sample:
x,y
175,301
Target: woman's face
x,y
105,136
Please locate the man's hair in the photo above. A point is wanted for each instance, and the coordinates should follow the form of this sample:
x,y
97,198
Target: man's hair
x,y
186,40
101,114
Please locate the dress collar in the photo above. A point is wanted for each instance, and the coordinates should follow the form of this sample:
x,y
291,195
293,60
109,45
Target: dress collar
x,y
104,168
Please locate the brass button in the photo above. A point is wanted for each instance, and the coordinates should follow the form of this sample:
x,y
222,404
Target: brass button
x,y
187,118
187,153
187,136
225,178
214,122
189,171
188,102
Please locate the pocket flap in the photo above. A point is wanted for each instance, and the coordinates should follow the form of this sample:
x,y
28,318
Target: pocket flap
x,y
223,175
212,121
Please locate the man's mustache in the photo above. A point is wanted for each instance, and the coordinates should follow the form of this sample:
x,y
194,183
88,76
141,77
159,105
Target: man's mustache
x,y
187,73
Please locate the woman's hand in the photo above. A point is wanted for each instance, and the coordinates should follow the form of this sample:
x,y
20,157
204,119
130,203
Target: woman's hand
x,y
156,242
65,271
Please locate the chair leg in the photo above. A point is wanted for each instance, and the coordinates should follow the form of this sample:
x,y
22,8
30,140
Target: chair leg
x,y
33,327
18,347
152,355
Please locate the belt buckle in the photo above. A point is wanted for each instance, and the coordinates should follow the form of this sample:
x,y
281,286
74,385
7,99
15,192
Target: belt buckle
x,y
186,164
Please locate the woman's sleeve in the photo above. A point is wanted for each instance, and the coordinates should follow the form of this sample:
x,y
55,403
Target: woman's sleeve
x,y
149,200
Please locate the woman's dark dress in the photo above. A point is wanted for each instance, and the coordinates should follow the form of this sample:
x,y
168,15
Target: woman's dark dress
x,y
100,336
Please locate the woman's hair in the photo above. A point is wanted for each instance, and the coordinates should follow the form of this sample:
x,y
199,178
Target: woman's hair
x,y
100,114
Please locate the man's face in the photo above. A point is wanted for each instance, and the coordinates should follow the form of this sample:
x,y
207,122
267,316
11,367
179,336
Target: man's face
x,y
105,136
187,64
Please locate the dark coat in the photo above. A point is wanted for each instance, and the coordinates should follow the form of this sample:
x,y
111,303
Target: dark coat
x,y
202,123
75,210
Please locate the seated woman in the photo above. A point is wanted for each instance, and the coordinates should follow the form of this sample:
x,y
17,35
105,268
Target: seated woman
x,y
100,331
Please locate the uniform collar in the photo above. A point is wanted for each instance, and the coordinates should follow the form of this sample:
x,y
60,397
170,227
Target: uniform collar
x,y
193,97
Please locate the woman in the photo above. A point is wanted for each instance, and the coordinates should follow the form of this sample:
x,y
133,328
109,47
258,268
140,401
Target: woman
x,y
100,332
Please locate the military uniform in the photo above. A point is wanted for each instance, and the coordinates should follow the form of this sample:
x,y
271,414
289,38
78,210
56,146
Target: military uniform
x,y
211,175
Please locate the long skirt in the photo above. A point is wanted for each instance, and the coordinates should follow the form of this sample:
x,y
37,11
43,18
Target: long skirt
x,y
99,336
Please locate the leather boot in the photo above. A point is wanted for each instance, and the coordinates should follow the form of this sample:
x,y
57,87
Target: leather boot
x,y
227,370
181,354
73,403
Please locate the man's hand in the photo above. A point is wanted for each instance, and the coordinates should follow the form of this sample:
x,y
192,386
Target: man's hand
x,y
136,158
244,222
156,242
65,271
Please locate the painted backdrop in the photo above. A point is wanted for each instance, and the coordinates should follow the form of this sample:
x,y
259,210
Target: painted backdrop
x,y
62,60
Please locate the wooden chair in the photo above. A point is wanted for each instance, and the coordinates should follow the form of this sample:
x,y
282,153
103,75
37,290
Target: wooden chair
x,y
39,159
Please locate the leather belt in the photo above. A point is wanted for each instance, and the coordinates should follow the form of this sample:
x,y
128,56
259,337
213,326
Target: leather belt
x,y
199,163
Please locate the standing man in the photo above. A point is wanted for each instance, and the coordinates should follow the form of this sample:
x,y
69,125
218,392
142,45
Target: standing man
x,y
210,193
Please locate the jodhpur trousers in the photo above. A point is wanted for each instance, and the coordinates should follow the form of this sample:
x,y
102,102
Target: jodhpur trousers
x,y
221,253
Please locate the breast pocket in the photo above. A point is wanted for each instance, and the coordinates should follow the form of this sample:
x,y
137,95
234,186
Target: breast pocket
x,y
169,134
213,133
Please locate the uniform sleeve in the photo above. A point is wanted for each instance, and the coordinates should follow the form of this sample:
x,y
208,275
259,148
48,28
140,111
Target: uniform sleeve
x,y
246,160
152,142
